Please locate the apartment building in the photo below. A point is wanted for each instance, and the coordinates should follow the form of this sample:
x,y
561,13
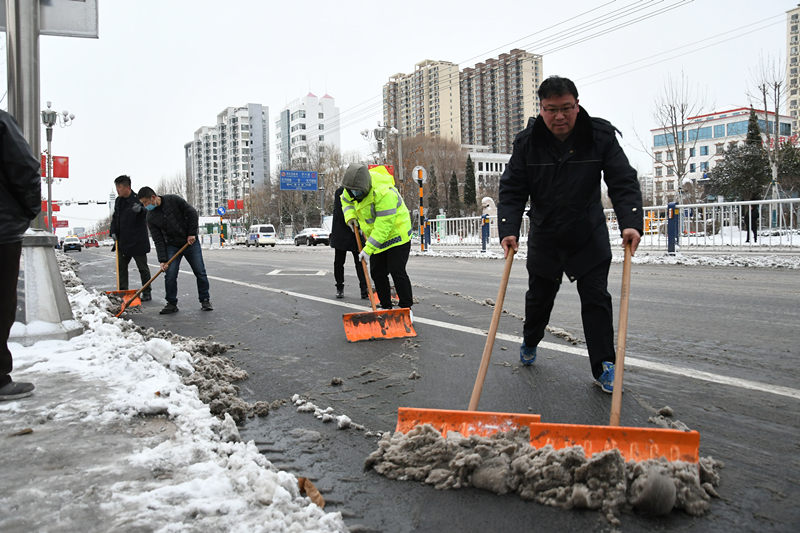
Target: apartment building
x,y
707,136
497,98
226,160
792,66
427,101
307,123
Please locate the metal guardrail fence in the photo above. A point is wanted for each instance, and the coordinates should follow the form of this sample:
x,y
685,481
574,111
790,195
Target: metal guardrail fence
x,y
765,225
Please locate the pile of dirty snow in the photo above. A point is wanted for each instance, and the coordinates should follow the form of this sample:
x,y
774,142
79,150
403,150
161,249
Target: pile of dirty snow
x,y
506,462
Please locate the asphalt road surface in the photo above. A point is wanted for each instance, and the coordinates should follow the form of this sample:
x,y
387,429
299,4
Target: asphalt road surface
x,y
718,345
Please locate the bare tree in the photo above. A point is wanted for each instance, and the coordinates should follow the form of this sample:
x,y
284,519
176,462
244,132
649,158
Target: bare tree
x,y
677,103
174,184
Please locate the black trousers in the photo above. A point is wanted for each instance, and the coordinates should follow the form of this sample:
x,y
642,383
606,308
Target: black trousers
x,y
141,266
596,313
9,274
393,261
338,270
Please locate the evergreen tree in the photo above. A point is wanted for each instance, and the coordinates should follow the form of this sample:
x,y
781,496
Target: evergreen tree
x,y
433,193
453,200
470,200
742,174
753,131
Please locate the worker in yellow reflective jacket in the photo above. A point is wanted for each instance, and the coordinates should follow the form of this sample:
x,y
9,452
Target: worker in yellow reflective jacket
x,y
371,200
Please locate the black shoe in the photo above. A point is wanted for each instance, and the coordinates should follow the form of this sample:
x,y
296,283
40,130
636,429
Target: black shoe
x,y
16,390
169,309
340,293
207,305
364,295
146,297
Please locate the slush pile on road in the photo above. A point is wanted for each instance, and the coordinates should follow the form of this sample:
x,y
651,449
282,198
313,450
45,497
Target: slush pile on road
x,y
506,462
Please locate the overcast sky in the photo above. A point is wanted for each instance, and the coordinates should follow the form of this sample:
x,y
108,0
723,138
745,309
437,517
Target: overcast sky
x,y
161,69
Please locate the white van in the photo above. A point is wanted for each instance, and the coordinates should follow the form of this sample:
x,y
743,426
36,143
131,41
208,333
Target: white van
x,y
262,235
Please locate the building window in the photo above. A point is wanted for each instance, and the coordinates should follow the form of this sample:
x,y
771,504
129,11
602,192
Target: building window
x,y
321,138
720,148
658,156
322,126
719,131
658,171
691,152
691,167
659,186
670,171
669,155
670,185
321,115
704,150
480,166
704,166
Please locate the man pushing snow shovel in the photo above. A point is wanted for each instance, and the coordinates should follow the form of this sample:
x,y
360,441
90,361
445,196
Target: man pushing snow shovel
x,y
371,199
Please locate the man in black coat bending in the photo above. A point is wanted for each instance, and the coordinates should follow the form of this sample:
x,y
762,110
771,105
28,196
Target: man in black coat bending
x,y
20,202
129,231
173,223
343,240
557,163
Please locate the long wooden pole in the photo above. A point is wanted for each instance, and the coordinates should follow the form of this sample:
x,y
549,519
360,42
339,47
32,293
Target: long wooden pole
x,y
619,366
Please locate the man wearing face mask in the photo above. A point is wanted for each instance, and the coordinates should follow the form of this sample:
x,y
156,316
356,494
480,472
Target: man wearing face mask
x,y
129,231
371,200
173,223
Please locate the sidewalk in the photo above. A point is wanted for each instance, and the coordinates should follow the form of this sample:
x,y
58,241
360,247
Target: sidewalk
x,y
113,440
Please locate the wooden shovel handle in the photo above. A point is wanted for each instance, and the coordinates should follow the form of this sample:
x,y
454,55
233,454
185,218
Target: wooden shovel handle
x,y
622,333
487,349
366,272
116,253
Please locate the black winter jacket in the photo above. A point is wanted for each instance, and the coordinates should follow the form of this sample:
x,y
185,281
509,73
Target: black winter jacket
x,y
568,228
20,182
342,237
130,226
174,221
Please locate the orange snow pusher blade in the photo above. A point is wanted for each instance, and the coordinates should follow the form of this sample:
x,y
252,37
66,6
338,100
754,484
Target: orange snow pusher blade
x,y
372,325
126,295
464,422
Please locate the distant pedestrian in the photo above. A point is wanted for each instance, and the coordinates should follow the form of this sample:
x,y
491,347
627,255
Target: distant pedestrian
x,y
751,217
173,223
20,202
343,241
371,199
129,231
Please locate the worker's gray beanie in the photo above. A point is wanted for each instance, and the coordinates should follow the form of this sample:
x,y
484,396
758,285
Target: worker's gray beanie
x,y
357,178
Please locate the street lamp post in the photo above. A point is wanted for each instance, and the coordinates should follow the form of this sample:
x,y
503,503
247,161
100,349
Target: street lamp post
x,y
50,118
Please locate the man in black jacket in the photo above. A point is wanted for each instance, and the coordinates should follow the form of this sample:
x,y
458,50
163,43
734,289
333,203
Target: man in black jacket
x,y
129,231
343,240
173,223
557,163
20,202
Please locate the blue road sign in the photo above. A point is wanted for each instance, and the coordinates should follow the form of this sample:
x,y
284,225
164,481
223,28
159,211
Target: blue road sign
x,y
221,210
298,180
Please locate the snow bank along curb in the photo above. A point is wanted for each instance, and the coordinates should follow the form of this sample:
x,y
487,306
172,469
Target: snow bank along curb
x,y
506,462
208,480
642,257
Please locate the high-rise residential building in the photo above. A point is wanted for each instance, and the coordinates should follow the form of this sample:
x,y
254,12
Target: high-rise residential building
x,y
226,160
428,103
792,66
706,136
497,98
308,123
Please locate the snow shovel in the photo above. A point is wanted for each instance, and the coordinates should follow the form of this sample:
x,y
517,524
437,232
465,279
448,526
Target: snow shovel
x,y
126,293
638,444
126,304
384,324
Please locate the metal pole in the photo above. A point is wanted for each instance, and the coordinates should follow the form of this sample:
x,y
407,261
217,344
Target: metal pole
x,y
321,197
22,60
50,180
421,214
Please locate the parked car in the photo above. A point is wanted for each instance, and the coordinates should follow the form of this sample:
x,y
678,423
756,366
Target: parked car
x,y
89,243
240,238
312,237
262,235
72,243
108,242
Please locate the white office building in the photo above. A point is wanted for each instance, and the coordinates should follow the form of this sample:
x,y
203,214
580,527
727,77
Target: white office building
x,y
707,136
489,166
308,123
226,160
792,66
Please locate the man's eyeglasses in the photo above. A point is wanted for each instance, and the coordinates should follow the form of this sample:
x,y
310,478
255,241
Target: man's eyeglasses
x,y
563,110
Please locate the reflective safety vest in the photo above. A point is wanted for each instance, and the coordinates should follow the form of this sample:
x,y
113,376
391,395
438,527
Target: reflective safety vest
x,y
382,215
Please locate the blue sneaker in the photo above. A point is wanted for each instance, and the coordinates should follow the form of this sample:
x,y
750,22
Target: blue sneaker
x,y
606,379
527,354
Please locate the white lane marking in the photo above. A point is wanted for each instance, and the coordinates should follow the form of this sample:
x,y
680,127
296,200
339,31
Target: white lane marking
x,y
629,361
280,272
